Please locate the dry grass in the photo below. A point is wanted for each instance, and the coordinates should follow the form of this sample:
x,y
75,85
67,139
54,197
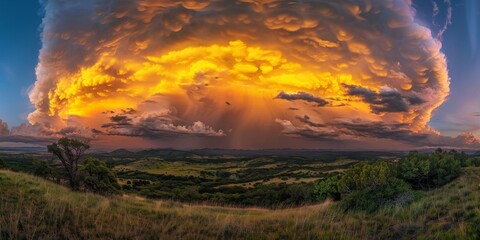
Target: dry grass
x,y
31,208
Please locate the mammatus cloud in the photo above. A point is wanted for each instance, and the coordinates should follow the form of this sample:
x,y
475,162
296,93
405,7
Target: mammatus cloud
x,y
222,68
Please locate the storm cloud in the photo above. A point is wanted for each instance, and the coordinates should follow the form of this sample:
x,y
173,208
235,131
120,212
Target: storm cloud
x,y
236,68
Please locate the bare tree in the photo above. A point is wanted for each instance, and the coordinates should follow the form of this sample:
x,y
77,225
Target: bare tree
x,y
70,153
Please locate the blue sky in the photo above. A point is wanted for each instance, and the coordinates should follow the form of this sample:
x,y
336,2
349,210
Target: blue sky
x,y
19,47
461,45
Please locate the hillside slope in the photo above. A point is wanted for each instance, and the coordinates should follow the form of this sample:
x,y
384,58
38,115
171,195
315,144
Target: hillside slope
x,y
31,208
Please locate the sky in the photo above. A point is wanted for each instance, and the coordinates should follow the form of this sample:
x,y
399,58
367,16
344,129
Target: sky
x,y
365,74
20,43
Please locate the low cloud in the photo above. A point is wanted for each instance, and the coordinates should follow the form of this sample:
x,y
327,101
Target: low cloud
x,y
360,130
386,101
303,96
155,125
40,135
25,134
307,131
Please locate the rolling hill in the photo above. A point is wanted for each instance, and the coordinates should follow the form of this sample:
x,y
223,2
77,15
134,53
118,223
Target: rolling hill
x,y
32,208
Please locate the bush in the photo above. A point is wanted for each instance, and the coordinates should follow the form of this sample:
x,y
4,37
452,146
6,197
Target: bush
x,y
369,186
327,188
428,170
43,169
3,164
99,178
366,176
365,187
370,199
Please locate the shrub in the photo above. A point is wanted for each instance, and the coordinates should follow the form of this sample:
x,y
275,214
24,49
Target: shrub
x,y
428,170
43,169
327,188
366,176
365,187
369,186
394,191
99,178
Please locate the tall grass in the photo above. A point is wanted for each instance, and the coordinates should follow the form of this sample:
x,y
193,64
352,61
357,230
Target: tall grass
x,y
31,208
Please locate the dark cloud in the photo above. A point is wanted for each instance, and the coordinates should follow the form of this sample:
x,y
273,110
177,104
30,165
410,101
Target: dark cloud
x,y
415,100
306,119
395,131
155,125
129,111
121,120
386,101
108,112
360,130
307,97
307,131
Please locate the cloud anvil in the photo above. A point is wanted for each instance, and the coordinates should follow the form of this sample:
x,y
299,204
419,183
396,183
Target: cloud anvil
x,y
240,73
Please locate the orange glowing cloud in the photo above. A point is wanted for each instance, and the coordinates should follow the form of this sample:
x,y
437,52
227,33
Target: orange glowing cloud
x,y
246,73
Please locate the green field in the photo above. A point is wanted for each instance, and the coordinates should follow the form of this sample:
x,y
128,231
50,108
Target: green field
x,y
241,178
32,208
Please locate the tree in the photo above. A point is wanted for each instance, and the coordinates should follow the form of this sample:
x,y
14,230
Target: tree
x,y
43,170
70,153
3,164
99,178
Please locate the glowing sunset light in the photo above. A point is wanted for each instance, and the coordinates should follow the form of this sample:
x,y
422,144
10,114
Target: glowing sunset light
x,y
296,73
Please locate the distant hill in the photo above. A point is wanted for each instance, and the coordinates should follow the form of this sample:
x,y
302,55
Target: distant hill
x,y
198,153
32,208
23,149
121,151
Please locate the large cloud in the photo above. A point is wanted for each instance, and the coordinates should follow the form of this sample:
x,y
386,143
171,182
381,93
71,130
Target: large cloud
x,y
222,68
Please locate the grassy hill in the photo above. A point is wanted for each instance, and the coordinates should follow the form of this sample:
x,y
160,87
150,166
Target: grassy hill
x,y
31,208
